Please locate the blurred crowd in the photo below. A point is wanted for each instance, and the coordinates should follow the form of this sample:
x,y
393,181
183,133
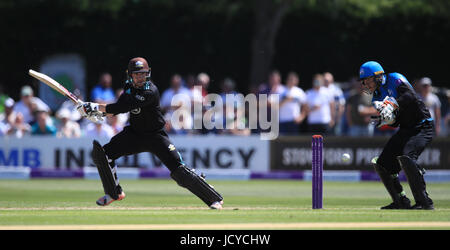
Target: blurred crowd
x,y
317,106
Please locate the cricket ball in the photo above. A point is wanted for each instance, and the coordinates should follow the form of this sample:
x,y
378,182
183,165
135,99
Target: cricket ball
x,y
345,157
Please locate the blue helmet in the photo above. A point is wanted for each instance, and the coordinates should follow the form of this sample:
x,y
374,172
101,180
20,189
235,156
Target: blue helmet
x,y
370,68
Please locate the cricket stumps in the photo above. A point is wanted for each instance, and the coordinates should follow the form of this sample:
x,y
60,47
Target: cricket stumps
x,y
317,171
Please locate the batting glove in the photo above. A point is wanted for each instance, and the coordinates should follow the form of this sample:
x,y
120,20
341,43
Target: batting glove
x,y
87,108
98,115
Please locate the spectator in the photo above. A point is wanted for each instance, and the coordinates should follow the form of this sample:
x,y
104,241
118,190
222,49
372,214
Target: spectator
x,y
274,84
98,130
178,130
233,129
67,127
338,102
203,81
235,124
417,86
113,121
41,126
272,88
103,92
3,98
233,113
431,101
195,93
292,111
447,116
19,128
8,116
4,127
190,81
320,106
177,99
29,104
196,96
228,87
359,109
175,89
122,117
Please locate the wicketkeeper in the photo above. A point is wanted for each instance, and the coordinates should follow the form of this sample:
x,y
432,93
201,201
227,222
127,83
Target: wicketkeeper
x,y
144,134
399,106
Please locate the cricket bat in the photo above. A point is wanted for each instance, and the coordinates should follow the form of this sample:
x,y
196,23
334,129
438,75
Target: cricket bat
x,y
54,85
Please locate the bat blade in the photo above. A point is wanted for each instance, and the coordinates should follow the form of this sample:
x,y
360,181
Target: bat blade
x,y
53,84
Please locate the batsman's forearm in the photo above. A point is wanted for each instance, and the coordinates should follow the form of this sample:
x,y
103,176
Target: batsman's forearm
x,y
102,108
117,108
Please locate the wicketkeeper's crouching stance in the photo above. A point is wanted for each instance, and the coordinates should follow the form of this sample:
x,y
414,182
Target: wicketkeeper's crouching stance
x,y
399,106
144,134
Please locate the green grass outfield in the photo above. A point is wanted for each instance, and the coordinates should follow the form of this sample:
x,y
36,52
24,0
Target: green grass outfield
x,y
161,204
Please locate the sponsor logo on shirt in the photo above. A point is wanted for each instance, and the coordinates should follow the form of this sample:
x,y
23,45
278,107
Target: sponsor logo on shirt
x,y
139,97
136,111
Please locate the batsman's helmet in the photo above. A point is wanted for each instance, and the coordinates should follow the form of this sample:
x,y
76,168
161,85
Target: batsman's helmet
x,y
372,69
369,69
138,64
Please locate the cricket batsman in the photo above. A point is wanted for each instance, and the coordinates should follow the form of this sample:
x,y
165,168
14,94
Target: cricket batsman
x,y
145,133
399,106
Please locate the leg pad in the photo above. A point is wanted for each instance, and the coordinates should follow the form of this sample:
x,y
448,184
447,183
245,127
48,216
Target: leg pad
x,y
414,174
107,174
391,183
188,179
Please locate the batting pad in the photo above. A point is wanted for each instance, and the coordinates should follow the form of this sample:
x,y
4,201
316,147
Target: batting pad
x,y
107,175
188,179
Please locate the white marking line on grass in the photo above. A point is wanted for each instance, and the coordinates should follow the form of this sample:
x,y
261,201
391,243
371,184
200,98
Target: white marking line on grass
x,y
99,208
144,208
205,208
266,226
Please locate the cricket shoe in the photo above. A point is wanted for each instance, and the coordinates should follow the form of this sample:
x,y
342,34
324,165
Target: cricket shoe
x,y
423,207
427,204
106,199
404,203
217,205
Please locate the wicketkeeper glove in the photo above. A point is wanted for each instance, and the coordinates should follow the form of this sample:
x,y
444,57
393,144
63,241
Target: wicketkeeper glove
x,y
388,102
379,122
387,114
378,105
